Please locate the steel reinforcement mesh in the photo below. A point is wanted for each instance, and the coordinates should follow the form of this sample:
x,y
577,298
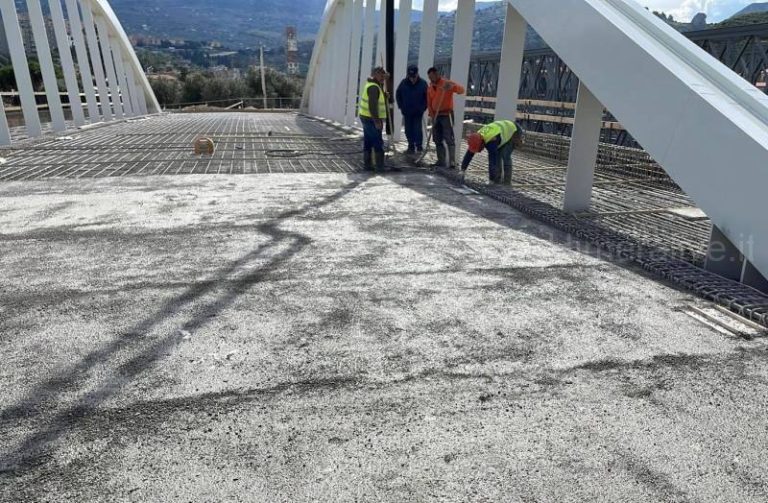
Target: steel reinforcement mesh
x,y
630,213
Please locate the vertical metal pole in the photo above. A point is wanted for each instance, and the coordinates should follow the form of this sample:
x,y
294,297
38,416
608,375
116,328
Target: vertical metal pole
x,y
96,60
462,49
390,59
512,49
109,64
75,25
381,40
5,132
583,156
354,62
121,77
46,65
263,76
401,59
367,60
20,68
67,65
428,34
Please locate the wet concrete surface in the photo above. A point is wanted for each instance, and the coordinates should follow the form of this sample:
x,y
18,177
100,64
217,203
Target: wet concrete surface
x,y
334,337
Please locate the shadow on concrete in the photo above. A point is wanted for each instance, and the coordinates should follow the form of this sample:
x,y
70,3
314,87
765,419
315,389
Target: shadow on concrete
x,y
46,396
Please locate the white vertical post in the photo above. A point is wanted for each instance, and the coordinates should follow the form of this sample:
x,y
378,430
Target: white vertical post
x,y
20,68
462,50
124,95
46,65
5,132
402,42
76,26
342,58
367,59
512,49
142,98
96,61
354,62
428,34
132,90
263,77
381,41
67,65
109,64
585,141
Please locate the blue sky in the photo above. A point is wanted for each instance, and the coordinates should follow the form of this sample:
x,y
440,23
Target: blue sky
x,y
716,10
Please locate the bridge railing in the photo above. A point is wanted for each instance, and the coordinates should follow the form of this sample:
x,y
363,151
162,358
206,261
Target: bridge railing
x,y
102,68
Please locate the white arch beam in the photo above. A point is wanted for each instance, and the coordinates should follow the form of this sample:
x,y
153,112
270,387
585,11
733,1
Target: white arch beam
x,y
76,27
511,67
428,35
46,65
109,64
67,65
21,69
354,62
462,50
402,41
96,60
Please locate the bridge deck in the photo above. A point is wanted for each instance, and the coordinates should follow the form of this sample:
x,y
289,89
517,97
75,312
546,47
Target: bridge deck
x,y
340,337
287,143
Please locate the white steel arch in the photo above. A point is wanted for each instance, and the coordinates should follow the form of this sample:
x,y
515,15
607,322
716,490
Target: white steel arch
x,y
702,122
111,75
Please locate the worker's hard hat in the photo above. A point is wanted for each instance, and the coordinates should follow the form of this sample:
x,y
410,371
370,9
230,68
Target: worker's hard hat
x,y
476,143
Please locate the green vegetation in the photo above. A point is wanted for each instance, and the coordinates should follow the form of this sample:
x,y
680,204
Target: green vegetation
x,y
198,87
743,20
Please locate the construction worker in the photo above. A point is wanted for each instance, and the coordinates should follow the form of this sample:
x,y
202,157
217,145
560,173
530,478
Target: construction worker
x,y
500,138
411,99
440,104
373,113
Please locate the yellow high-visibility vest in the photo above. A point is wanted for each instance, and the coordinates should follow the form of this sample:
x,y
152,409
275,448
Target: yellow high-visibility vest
x,y
365,108
490,131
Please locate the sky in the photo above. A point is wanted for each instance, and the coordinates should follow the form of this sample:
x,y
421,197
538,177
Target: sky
x,y
682,10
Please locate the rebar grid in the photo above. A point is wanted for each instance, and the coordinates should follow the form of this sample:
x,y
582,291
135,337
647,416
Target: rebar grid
x,y
631,195
246,143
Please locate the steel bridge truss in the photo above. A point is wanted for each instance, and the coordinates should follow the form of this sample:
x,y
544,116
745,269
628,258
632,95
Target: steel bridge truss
x,y
546,78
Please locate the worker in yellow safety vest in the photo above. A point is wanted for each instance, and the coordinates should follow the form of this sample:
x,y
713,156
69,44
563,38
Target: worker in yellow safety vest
x,y
500,139
373,113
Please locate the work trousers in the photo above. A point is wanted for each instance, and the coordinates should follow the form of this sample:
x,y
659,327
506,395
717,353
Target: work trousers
x,y
414,131
373,138
442,131
502,171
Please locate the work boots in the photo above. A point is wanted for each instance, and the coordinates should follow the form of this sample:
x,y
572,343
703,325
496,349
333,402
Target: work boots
x,y
379,157
367,160
507,175
452,157
440,151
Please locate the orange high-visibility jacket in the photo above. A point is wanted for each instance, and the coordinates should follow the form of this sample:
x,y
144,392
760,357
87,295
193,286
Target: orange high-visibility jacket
x,y
435,93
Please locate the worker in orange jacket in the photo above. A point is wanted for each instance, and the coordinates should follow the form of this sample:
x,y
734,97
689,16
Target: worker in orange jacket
x,y
440,105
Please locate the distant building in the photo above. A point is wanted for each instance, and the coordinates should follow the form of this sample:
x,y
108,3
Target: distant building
x,y
291,51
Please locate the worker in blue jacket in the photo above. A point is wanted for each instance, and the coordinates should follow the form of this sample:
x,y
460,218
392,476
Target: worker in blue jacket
x,y
411,96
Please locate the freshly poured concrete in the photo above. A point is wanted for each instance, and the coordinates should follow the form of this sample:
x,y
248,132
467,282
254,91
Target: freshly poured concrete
x,y
333,337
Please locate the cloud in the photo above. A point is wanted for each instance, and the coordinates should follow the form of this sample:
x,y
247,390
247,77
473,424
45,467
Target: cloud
x,y
683,10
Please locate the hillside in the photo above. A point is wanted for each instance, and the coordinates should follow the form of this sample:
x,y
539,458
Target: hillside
x,y
745,19
752,9
235,23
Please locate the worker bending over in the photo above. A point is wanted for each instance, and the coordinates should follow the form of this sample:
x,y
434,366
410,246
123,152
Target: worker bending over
x,y
440,103
373,113
500,138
